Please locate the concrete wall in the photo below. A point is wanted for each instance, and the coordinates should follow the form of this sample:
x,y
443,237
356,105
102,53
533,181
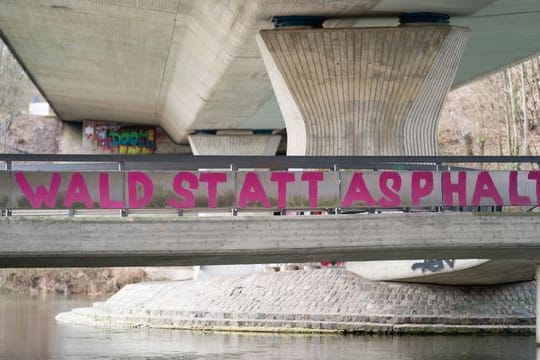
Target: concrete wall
x,y
79,241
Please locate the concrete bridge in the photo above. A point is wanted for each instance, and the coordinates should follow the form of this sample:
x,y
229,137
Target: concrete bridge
x,y
349,82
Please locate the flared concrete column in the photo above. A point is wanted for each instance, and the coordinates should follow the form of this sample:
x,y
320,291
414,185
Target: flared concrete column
x,y
362,91
203,144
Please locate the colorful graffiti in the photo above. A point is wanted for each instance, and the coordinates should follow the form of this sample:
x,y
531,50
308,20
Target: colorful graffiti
x,y
119,139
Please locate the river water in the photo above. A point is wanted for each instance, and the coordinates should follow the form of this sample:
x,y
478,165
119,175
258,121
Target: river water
x,y
28,331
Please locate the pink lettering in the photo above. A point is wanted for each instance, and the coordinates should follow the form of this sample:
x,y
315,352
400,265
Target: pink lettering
x,y
213,179
313,178
252,191
449,188
139,180
188,199
282,178
390,193
515,198
485,188
421,186
77,192
105,201
42,196
357,191
535,175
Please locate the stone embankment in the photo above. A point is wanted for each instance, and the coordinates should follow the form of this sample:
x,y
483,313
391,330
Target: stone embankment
x,y
314,301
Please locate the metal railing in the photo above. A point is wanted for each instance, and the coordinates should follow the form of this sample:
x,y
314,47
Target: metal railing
x,y
187,162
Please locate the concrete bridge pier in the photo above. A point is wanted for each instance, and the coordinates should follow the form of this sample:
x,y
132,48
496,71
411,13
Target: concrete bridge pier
x,y
231,143
364,91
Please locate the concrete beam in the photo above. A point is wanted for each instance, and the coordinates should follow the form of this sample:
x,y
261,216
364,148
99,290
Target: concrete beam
x,y
50,242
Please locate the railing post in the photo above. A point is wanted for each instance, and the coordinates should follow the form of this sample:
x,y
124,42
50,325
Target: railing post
x,y
122,168
234,210
9,168
337,169
438,169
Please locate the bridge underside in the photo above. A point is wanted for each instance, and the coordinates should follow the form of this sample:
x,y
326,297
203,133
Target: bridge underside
x,y
189,65
136,241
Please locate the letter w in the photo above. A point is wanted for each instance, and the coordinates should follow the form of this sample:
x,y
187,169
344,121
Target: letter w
x,y
41,195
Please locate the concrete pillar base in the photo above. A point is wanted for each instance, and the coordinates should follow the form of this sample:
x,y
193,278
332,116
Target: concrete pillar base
x,y
234,144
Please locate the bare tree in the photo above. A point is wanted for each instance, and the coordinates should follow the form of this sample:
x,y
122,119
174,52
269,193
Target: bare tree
x,y
524,111
14,83
501,113
14,91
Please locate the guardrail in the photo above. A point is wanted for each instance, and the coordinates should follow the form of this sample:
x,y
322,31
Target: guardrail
x,y
187,162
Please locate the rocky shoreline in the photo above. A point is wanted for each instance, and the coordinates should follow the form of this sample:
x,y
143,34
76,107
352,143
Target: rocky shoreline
x,y
314,301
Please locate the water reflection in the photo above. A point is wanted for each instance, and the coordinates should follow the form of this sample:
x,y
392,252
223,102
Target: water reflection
x,y
28,331
142,344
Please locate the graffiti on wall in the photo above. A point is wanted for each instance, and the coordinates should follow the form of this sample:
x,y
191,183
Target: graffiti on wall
x,y
433,265
120,139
